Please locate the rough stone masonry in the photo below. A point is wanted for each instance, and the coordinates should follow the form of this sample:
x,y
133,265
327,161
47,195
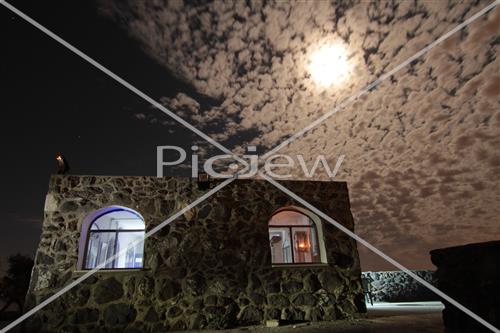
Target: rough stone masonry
x,y
211,268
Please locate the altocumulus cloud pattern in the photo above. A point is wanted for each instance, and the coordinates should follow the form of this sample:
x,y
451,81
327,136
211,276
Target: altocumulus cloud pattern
x,y
422,149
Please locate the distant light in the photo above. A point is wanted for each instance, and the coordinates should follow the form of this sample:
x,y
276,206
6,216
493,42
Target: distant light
x,y
329,65
62,165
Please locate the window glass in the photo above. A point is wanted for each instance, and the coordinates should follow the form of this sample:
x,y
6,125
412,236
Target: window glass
x,y
101,247
281,245
305,246
110,234
289,217
110,223
132,257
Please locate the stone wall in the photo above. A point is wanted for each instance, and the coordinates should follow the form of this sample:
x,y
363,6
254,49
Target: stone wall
x,y
208,269
397,286
470,274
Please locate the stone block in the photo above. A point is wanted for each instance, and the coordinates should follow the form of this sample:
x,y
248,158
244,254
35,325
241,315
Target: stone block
x,y
272,323
119,314
107,290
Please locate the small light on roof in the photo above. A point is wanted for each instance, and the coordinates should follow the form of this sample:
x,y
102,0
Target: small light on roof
x,y
62,165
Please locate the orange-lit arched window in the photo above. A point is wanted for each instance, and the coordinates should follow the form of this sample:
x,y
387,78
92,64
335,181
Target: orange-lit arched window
x,y
294,237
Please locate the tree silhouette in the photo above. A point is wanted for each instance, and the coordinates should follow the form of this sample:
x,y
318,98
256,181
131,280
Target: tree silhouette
x,y
14,285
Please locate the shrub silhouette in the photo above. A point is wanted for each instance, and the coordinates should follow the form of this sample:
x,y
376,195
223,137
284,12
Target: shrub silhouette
x,y
15,284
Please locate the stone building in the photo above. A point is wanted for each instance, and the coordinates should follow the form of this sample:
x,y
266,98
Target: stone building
x,y
246,254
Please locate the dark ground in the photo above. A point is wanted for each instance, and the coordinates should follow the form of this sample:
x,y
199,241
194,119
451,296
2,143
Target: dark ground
x,y
383,318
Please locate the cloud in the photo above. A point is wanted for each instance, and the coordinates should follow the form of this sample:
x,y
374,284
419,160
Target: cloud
x,y
420,148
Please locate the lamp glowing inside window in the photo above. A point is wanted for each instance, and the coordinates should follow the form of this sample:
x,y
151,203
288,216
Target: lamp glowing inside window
x,y
329,65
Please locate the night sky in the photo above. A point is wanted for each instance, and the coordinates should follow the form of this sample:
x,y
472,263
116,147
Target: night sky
x,y
422,149
55,102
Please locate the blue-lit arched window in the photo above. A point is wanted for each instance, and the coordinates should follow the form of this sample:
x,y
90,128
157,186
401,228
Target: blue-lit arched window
x,y
114,231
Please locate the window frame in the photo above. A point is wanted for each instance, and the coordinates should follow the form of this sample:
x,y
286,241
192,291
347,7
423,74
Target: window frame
x,y
116,232
316,223
87,233
290,230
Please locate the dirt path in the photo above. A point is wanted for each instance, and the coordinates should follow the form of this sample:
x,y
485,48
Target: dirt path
x,y
385,319
414,323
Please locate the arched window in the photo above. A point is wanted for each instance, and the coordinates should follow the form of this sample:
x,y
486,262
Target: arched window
x,y
112,231
296,237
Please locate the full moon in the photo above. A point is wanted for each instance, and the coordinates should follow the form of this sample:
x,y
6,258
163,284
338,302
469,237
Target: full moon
x,y
329,65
